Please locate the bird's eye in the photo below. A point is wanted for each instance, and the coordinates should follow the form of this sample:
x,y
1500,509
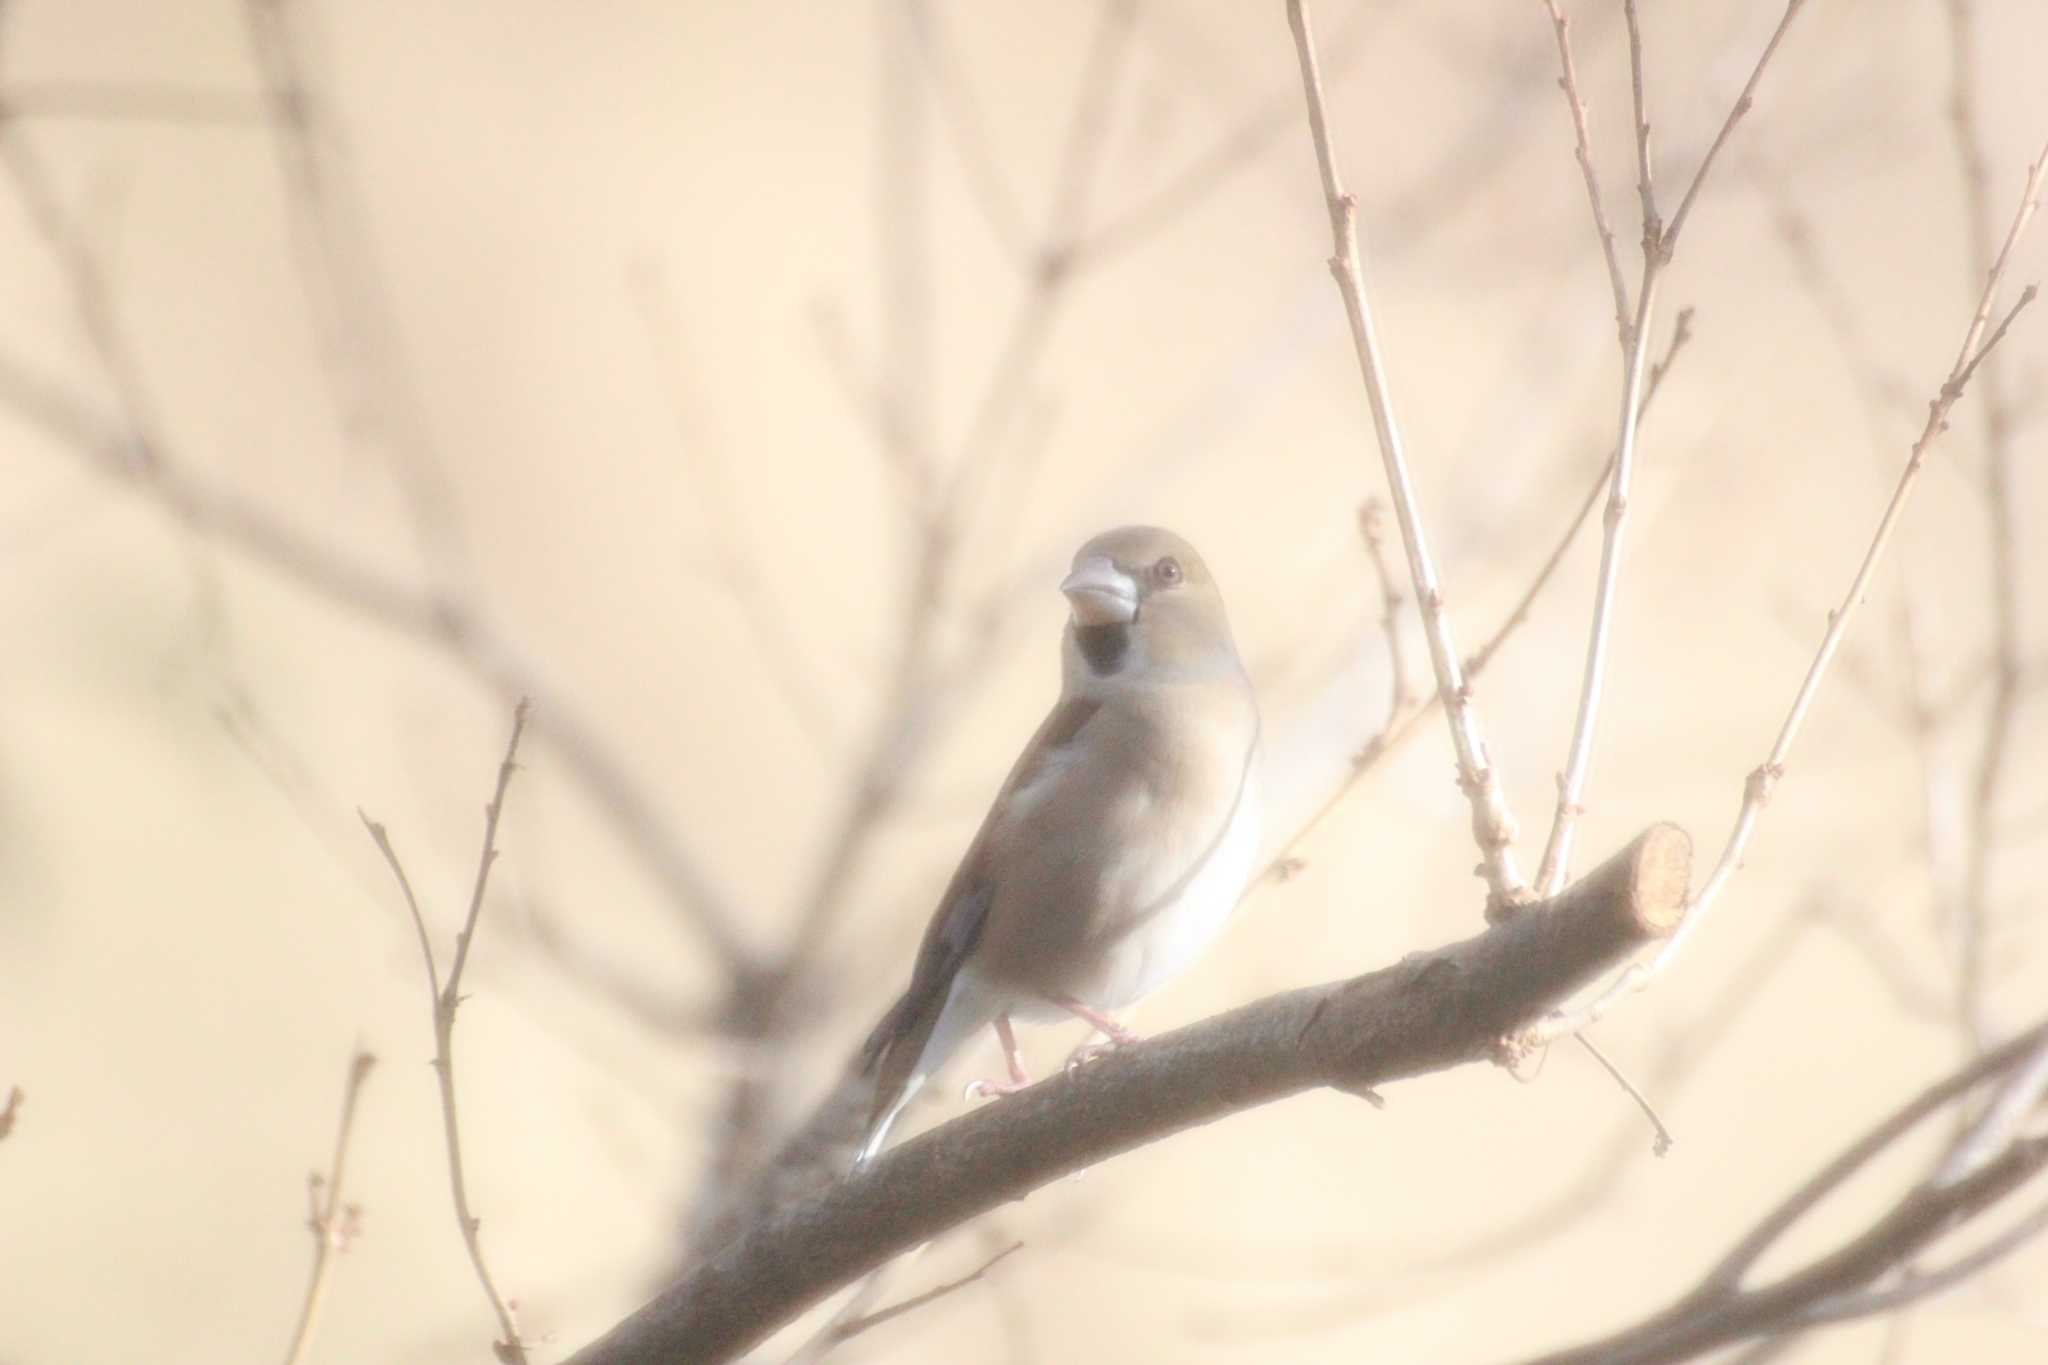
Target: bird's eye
x,y
1167,571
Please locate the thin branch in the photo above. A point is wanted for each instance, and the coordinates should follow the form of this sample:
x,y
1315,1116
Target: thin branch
x,y
1658,243
846,1331
10,1112
1400,695
447,997
1493,825
333,1223
1757,789
1569,83
1428,1012
1680,335
1645,185
1735,112
1663,1139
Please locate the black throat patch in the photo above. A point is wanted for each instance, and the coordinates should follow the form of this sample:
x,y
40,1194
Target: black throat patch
x,y
1103,647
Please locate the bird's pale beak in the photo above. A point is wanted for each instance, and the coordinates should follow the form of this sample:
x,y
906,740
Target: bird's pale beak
x,y
1100,593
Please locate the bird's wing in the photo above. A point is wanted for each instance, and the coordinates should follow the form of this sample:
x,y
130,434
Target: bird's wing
x,y
894,1048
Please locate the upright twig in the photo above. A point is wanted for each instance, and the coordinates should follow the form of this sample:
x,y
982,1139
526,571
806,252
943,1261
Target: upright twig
x,y
333,1223
1757,789
1582,148
1403,724
1493,824
11,1110
1400,696
446,997
1658,244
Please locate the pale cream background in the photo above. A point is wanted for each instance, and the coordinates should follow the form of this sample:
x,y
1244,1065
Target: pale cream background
x,y
190,942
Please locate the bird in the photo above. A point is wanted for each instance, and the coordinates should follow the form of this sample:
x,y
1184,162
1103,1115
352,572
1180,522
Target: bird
x,y
1118,845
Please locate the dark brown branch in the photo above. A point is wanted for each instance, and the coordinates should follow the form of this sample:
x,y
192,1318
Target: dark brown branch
x,y
1431,1011
1719,1312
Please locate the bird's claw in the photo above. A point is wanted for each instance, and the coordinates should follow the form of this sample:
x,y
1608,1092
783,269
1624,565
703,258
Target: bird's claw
x,y
1088,1052
991,1090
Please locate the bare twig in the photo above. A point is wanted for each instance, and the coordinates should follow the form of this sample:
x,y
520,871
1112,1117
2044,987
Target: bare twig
x,y
1663,1139
1493,824
333,1223
1402,727
446,997
1400,695
1680,334
11,1111
1757,790
1658,244
846,1331
1569,83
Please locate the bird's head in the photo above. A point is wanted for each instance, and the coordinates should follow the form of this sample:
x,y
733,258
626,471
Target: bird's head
x,y
1142,600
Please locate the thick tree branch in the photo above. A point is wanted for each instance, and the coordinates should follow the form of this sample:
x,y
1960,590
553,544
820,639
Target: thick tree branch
x,y
1431,1011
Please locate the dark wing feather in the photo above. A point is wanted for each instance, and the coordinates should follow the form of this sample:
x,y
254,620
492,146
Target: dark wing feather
x,y
893,1049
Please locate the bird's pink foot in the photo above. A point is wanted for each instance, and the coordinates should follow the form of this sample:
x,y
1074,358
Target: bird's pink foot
x,y
1115,1035
1012,1058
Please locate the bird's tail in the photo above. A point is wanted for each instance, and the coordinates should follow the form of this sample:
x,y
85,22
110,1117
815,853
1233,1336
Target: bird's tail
x,y
913,1040
887,1110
